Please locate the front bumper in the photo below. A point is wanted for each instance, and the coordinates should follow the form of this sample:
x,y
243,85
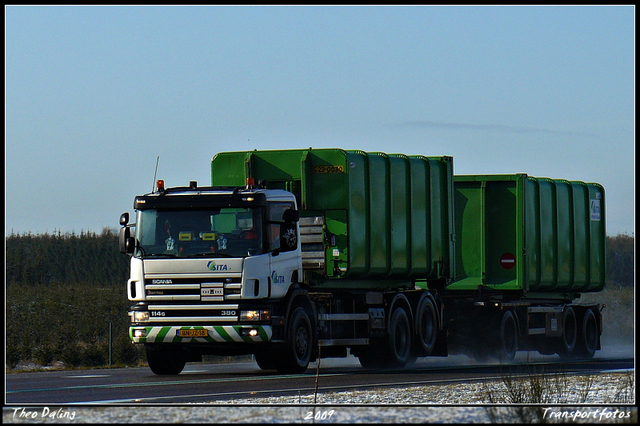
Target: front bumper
x,y
214,334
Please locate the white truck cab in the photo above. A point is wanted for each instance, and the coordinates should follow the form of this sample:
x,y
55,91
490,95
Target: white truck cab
x,y
208,267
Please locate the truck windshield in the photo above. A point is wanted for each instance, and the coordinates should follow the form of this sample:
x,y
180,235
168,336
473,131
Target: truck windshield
x,y
225,232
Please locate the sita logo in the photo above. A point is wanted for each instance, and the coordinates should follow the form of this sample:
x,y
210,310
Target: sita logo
x,y
213,267
277,279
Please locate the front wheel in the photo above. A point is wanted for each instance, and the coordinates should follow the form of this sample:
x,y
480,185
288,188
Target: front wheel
x,y
265,360
165,360
298,346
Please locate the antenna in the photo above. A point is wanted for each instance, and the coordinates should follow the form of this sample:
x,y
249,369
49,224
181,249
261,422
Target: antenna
x,y
155,174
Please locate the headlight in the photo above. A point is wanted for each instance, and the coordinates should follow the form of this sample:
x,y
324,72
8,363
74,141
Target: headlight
x,y
139,332
250,332
140,316
255,315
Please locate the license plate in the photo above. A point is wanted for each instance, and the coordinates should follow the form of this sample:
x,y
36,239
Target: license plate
x,y
192,333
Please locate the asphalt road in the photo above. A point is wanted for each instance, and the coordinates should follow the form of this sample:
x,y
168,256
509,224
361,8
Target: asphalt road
x,y
214,383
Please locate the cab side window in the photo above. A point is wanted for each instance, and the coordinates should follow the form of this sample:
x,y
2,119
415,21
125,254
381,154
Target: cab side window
x,y
282,235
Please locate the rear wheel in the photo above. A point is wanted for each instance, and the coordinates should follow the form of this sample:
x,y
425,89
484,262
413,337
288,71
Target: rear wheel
x,y
496,338
569,334
392,351
165,360
588,339
426,326
546,346
399,346
373,355
508,342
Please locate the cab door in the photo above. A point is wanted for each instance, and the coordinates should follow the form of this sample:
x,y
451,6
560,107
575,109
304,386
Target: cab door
x,y
284,247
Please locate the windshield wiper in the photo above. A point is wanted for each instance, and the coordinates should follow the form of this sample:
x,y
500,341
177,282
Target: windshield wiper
x,y
144,256
209,254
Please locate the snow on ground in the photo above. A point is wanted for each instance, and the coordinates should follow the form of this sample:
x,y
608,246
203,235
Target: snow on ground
x,y
602,398
598,399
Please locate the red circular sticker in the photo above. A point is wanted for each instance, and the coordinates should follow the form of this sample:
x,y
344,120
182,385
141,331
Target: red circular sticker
x,y
507,261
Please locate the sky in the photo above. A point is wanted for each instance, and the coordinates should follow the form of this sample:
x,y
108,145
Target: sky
x,y
96,95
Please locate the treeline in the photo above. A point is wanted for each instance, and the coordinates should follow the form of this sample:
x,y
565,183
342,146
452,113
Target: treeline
x,y
45,259
621,260
78,324
66,298
94,259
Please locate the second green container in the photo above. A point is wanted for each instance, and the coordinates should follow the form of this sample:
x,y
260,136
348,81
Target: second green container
x,y
539,236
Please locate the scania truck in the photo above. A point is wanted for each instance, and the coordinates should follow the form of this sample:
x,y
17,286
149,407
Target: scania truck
x,y
291,255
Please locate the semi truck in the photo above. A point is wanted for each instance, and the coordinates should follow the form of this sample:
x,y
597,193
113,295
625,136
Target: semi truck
x,y
299,254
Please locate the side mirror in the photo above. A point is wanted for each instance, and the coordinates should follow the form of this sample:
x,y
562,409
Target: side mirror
x,y
291,216
124,218
125,240
288,237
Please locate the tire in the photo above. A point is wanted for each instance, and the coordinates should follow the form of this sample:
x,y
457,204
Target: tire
x,y
426,326
588,339
569,334
481,354
165,360
372,356
265,360
485,344
508,341
496,340
393,351
298,347
399,347
545,345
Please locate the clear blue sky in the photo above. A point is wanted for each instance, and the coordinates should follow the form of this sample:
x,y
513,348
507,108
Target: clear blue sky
x,y
94,94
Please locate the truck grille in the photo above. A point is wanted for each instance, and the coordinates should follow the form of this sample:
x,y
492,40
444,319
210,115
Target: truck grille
x,y
207,289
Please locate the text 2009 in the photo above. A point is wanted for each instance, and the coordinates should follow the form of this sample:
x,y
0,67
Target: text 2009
x,y
320,415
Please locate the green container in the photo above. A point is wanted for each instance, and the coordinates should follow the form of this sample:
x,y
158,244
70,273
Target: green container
x,y
386,217
536,235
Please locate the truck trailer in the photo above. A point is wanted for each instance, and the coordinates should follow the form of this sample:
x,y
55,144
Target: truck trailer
x,y
294,255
